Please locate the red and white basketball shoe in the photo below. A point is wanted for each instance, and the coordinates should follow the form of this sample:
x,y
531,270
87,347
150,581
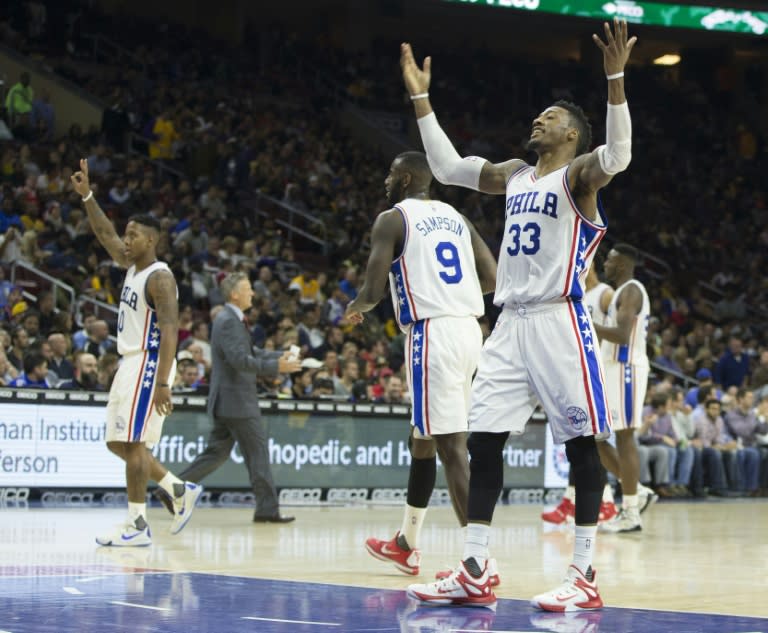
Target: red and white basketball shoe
x,y
608,511
577,592
459,589
406,560
563,514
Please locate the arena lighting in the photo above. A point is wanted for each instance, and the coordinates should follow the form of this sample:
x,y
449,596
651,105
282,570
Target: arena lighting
x,y
670,59
729,19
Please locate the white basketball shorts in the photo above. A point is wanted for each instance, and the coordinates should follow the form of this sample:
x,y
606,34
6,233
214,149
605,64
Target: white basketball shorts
x,y
441,355
625,385
131,416
541,354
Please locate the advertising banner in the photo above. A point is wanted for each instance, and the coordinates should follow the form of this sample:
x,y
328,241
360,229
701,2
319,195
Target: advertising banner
x,y
731,19
47,442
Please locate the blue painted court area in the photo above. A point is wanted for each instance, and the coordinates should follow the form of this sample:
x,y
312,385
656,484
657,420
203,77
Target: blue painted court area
x,y
105,600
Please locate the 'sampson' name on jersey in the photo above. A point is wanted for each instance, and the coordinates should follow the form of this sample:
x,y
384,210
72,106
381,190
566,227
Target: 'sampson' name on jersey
x,y
438,223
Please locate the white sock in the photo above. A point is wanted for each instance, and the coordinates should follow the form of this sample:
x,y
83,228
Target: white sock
x,y
476,543
608,494
413,519
166,483
136,510
584,547
570,493
629,501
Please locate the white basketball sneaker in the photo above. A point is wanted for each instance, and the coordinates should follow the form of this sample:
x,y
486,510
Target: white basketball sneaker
x,y
577,592
460,589
183,506
129,534
627,521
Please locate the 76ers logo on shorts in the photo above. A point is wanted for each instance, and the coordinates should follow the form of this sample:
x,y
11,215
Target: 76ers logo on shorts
x,y
577,417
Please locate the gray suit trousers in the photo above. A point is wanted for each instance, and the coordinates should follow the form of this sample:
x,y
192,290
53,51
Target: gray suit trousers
x,y
251,437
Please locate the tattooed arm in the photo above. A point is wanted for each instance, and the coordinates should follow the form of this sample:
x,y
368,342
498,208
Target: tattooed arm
x,y
161,288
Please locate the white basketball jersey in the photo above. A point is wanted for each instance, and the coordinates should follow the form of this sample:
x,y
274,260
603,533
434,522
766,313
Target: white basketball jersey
x,y
592,301
435,274
136,320
548,243
635,352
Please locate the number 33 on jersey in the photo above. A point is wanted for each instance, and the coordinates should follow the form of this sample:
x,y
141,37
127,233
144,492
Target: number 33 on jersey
x,y
435,273
548,243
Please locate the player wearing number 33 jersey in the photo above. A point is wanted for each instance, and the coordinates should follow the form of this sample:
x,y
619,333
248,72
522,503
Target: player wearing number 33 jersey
x,y
543,349
547,249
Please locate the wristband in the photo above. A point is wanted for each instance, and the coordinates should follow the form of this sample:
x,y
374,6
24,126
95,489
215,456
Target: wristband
x,y
88,197
615,76
163,384
421,95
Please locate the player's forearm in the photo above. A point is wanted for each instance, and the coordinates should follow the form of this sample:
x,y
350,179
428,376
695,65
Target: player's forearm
x,y
446,164
102,226
616,154
169,335
422,107
616,95
611,334
367,298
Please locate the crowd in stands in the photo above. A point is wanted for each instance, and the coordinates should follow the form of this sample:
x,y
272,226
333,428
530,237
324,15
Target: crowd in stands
x,y
227,125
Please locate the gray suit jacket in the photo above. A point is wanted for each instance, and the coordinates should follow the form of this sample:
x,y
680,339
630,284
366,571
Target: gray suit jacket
x,y
235,363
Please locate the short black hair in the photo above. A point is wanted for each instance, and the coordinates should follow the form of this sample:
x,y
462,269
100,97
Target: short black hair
x,y
147,220
627,250
415,163
32,360
580,121
712,401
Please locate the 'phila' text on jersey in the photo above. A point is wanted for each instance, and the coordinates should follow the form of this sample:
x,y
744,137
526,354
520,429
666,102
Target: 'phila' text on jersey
x,y
526,202
129,296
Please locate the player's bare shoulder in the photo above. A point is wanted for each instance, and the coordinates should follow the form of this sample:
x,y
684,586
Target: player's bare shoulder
x,y
162,290
495,176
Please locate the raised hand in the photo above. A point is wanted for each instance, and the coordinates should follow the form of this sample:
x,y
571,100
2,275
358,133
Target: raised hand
x,y
616,47
416,79
79,179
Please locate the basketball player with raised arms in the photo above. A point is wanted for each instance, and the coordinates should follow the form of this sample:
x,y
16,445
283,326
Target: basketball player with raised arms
x,y
140,396
543,348
438,269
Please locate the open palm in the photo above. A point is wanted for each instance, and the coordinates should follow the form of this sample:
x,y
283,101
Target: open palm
x,y
416,79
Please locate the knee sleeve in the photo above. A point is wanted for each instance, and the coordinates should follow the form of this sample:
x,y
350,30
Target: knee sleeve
x,y
421,481
588,476
486,474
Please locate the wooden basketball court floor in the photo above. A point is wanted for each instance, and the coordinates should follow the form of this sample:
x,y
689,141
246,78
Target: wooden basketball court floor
x,y
697,566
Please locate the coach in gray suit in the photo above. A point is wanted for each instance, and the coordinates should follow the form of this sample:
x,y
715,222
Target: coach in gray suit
x,y
233,403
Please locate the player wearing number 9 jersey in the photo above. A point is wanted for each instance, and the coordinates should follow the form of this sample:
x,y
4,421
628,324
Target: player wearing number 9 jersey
x,y
543,349
438,267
